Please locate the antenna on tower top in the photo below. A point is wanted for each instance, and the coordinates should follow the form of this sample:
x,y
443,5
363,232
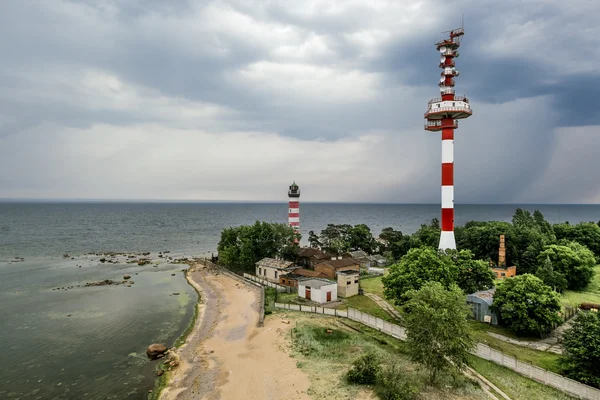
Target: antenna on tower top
x,y
462,22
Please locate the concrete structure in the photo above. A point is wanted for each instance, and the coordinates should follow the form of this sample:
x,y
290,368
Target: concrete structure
x,y
502,253
330,268
294,207
347,283
318,290
502,273
309,257
359,256
480,303
271,269
442,115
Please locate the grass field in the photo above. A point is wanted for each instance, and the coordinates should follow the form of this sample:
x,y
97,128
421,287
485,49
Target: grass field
x,y
541,359
372,285
514,385
590,294
326,357
365,304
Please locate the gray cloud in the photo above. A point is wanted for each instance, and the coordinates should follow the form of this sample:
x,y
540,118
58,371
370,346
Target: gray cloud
x,y
228,100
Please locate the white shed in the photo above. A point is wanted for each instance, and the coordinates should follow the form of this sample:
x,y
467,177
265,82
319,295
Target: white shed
x,y
318,290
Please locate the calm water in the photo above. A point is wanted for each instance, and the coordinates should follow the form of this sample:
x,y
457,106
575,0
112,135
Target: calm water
x,y
90,342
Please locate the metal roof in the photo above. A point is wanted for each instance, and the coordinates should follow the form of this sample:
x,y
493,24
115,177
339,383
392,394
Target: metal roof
x,y
317,283
485,295
274,263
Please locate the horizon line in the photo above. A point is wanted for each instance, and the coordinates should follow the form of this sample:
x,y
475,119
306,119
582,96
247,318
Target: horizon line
x,y
175,201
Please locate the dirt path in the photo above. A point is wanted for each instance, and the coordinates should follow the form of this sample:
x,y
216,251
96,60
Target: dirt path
x,y
228,356
387,307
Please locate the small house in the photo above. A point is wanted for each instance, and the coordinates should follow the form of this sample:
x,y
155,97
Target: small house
x,y
480,303
502,273
309,257
330,268
271,269
347,281
297,275
359,256
318,290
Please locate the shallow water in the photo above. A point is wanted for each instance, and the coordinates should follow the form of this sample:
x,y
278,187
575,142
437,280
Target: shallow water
x,y
86,342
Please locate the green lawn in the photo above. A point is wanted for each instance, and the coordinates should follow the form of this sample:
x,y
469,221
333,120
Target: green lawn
x,y
514,385
590,294
372,285
365,304
542,359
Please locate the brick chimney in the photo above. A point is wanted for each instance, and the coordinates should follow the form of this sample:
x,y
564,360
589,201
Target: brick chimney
x,y
502,253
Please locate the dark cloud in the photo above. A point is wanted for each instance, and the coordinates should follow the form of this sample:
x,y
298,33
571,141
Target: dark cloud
x,y
315,74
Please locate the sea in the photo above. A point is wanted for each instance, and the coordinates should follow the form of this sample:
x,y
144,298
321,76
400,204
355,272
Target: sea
x,y
63,340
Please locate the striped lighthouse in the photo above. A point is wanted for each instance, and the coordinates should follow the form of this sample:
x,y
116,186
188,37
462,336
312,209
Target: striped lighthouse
x,y
294,207
442,115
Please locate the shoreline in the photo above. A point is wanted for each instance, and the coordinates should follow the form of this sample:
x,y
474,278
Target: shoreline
x,y
227,355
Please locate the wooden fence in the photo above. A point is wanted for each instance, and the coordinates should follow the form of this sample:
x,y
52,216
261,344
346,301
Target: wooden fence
x,y
541,375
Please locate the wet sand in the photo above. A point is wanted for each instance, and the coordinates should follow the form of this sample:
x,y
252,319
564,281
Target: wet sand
x,y
227,356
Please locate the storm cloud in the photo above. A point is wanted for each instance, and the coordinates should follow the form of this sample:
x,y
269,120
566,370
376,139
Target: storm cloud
x,y
232,100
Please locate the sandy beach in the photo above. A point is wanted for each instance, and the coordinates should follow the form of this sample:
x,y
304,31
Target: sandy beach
x,y
227,356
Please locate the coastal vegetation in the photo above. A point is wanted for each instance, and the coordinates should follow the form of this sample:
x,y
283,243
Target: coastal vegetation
x,y
555,266
344,359
437,333
242,246
526,305
582,349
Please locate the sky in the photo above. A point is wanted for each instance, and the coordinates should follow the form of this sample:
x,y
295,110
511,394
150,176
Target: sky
x,y
234,100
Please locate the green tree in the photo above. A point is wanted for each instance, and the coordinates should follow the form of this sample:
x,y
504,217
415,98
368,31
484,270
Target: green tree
x,y
240,248
526,305
438,335
483,239
473,275
427,235
585,233
530,234
550,277
361,238
313,240
581,342
575,261
418,266
393,244
334,238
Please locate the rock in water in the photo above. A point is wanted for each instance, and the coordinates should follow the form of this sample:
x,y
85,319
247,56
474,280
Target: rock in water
x,y
126,276
156,349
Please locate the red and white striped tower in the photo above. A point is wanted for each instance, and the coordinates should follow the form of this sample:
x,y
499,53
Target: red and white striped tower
x,y
442,115
294,207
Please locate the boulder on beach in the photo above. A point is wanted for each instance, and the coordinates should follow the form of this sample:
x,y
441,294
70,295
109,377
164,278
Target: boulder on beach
x,y
156,349
126,276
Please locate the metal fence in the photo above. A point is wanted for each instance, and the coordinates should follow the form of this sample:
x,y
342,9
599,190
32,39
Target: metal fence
x,y
541,375
264,282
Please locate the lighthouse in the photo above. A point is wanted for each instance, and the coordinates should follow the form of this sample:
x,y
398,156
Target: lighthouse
x,y
442,115
294,207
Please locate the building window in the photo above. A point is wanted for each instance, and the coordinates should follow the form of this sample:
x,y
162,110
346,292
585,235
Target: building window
x,y
275,274
356,281
349,283
503,274
259,271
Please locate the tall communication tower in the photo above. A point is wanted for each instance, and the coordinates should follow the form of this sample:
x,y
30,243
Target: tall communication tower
x,y
442,115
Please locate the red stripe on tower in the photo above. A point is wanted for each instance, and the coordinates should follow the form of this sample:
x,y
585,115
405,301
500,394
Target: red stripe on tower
x,y
442,115
294,207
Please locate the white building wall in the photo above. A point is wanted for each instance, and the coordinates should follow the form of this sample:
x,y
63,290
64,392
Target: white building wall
x,y
318,295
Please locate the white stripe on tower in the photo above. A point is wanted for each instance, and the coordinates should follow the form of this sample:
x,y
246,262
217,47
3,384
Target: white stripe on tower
x,y
447,240
294,207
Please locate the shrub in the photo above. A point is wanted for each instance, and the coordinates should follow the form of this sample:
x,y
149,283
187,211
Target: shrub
x,y
364,370
393,384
